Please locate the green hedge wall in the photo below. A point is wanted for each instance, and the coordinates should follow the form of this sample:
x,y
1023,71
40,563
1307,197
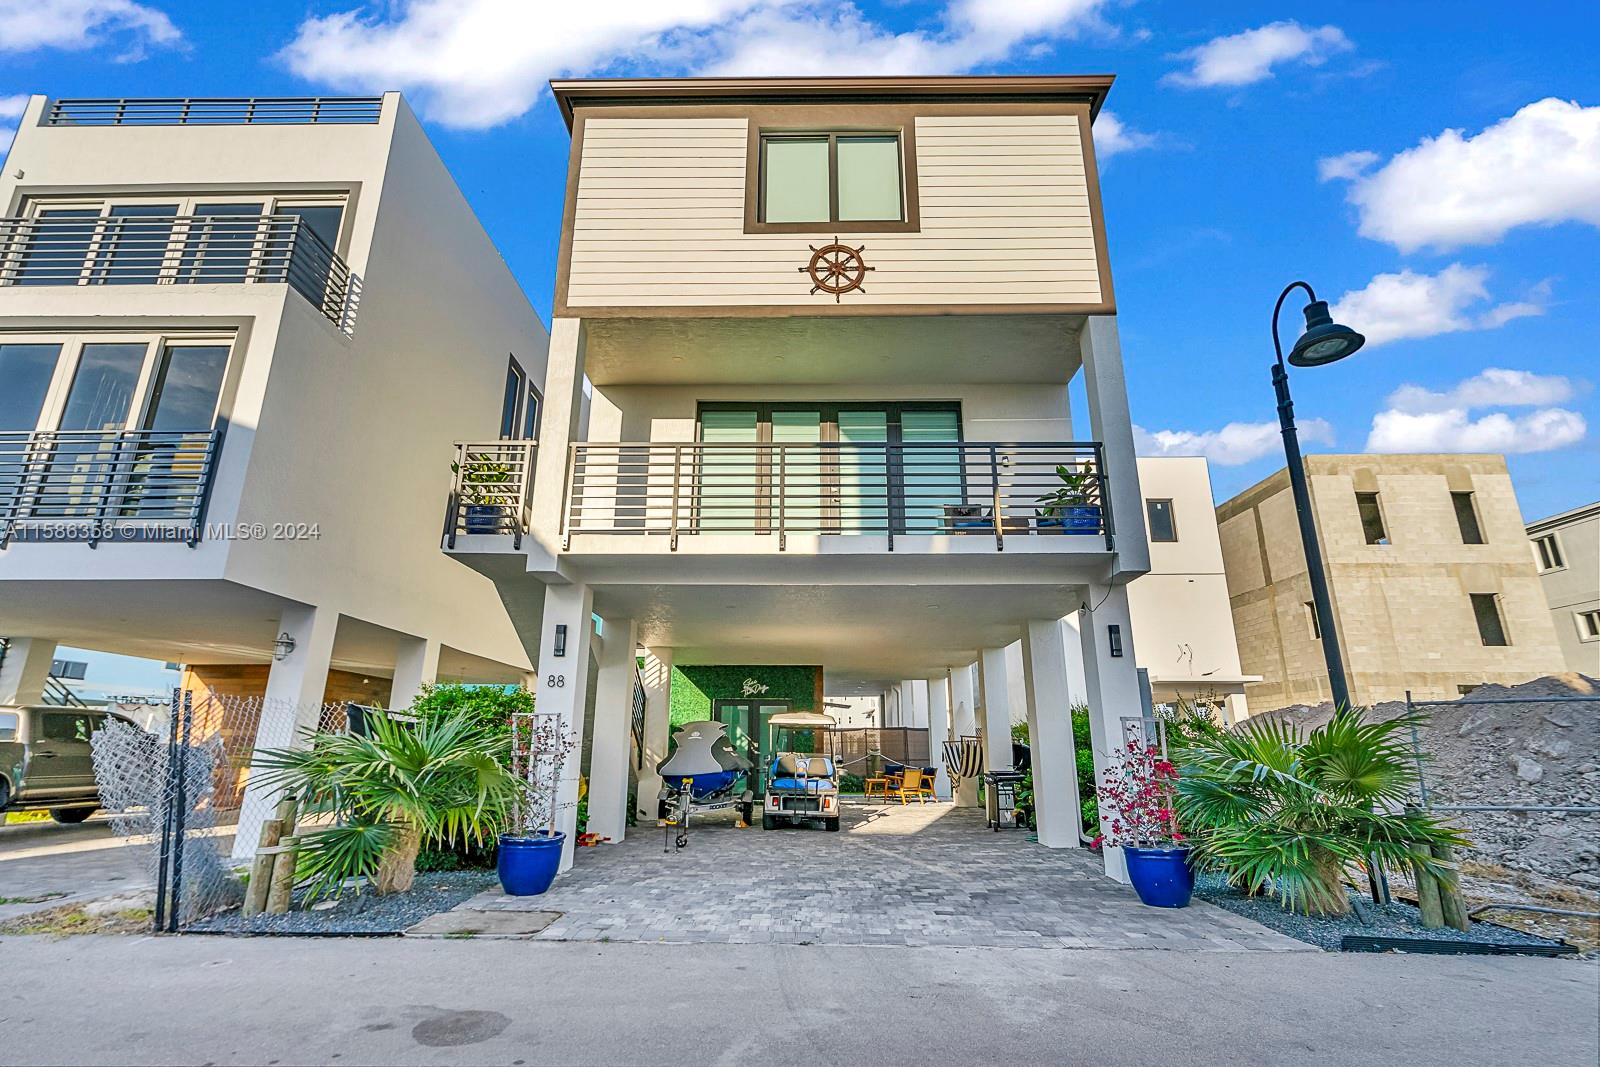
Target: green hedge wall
x,y
694,688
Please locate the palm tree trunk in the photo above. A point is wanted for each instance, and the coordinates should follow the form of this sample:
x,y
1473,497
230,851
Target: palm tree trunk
x,y
1330,899
398,868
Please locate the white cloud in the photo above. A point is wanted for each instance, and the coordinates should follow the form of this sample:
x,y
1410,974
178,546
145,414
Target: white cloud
x,y
1112,136
1242,58
1494,387
1427,420
11,109
1394,307
1456,431
479,63
1540,167
1235,443
1346,166
74,25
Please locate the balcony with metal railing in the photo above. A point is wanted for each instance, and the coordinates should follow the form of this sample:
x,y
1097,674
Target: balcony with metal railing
x,y
1046,495
491,490
215,111
112,485
177,250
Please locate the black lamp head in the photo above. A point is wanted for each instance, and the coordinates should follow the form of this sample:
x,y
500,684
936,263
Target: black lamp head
x,y
1324,340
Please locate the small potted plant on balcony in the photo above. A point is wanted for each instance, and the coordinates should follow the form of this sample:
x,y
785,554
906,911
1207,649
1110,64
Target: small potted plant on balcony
x,y
484,500
1071,507
1138,794
530,854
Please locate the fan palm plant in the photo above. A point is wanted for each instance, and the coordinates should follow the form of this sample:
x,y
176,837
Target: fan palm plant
x,y
439,781
1281,811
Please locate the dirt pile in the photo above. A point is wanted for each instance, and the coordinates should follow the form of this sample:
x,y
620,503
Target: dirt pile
x,y
1544,754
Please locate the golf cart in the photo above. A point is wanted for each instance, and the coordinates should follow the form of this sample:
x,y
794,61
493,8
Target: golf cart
x,y
801,787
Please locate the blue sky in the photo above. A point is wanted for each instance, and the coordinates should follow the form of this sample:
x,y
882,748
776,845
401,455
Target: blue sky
x,y
1247,145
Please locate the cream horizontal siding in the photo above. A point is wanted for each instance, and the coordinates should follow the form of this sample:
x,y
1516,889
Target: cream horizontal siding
x,y
659,220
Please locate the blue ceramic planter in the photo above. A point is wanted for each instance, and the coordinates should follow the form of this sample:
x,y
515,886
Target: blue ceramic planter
x,y
528,864
484,518
1074,519
1161,876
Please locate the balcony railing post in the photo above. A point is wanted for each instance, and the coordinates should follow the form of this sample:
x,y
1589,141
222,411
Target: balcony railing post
x,y
999,516
1105,496
569,499
677,480
783,536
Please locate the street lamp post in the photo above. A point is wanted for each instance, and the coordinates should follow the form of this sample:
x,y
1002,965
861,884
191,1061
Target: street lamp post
x,y
1324,341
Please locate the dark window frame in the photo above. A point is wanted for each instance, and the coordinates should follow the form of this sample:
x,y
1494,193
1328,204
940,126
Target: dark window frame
x,y
1316,622
1550,557
1466,508
755,207
1172,519
1486,609
517,421
1363,498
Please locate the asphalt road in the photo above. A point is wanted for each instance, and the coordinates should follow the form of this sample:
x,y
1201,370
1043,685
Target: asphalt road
x,y
196,999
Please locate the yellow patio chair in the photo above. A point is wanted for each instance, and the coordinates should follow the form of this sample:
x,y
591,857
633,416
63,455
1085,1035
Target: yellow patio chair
x,y
914,783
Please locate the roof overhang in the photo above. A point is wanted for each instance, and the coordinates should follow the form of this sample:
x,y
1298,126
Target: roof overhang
x,y
571,93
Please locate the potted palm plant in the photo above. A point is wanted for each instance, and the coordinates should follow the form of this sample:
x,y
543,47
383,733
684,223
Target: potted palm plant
x,y
436,781
484,498
1137,793
1071,506
530,851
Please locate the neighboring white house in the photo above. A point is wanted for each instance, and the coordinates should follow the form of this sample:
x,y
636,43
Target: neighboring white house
x,y
1566,553
235,338
829,325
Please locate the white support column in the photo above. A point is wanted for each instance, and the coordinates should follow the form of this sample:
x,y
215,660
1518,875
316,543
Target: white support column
x,y
1057,809
613,731
994,720
1113,688
564,690
1100,351
1073,647
964,723
916,705
293,703
657,730
416,664
24,670
939,731
560,424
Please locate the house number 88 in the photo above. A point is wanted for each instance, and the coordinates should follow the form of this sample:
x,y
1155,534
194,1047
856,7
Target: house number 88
x,y
556,681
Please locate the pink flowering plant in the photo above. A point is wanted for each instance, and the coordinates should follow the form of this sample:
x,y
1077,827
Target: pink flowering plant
x,y
1137,794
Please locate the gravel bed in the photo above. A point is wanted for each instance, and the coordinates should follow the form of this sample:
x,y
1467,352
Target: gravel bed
x,y
1390,920
361,914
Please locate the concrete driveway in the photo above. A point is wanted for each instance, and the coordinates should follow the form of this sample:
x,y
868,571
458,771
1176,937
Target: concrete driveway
x,y
45,864
913,875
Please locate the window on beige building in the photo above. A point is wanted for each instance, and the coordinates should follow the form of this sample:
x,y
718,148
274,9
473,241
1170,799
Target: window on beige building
x,y
1163,527
1491,628
1371,519
1547,552
1467,518
1316,623
831,177
1589,625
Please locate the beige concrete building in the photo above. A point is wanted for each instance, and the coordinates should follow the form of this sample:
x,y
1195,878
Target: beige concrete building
x,y
1431,577
1566,552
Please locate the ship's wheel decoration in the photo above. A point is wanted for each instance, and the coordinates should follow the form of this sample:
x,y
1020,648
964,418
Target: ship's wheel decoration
x,y
837,269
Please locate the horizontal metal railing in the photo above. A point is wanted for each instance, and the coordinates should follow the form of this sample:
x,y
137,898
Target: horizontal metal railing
x,y
175,250
490,490
95,485
215,111
994,489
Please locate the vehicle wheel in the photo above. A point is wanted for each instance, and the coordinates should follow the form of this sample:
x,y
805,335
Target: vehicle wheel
x,y
70,816
768,822
832,825
5,794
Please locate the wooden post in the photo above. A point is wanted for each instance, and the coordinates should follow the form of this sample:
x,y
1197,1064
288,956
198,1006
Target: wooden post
x,y
255,893
1428,897
282,890
1452,904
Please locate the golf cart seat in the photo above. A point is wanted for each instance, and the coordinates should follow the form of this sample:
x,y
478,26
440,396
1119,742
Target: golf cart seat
x,y
802,774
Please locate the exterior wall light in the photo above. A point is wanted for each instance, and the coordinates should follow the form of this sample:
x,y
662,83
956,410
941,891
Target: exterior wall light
x,y
282,646
561,640
1115,633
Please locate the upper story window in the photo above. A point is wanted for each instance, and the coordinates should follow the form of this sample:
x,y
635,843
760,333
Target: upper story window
x,y
1371,519
1467,518
1163,527
1589,625
1547,553
519,412
1491,627
809,181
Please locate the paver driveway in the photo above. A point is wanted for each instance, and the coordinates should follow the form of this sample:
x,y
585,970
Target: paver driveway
x,y
915,875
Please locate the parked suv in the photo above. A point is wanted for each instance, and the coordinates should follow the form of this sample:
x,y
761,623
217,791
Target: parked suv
x,y
45,760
